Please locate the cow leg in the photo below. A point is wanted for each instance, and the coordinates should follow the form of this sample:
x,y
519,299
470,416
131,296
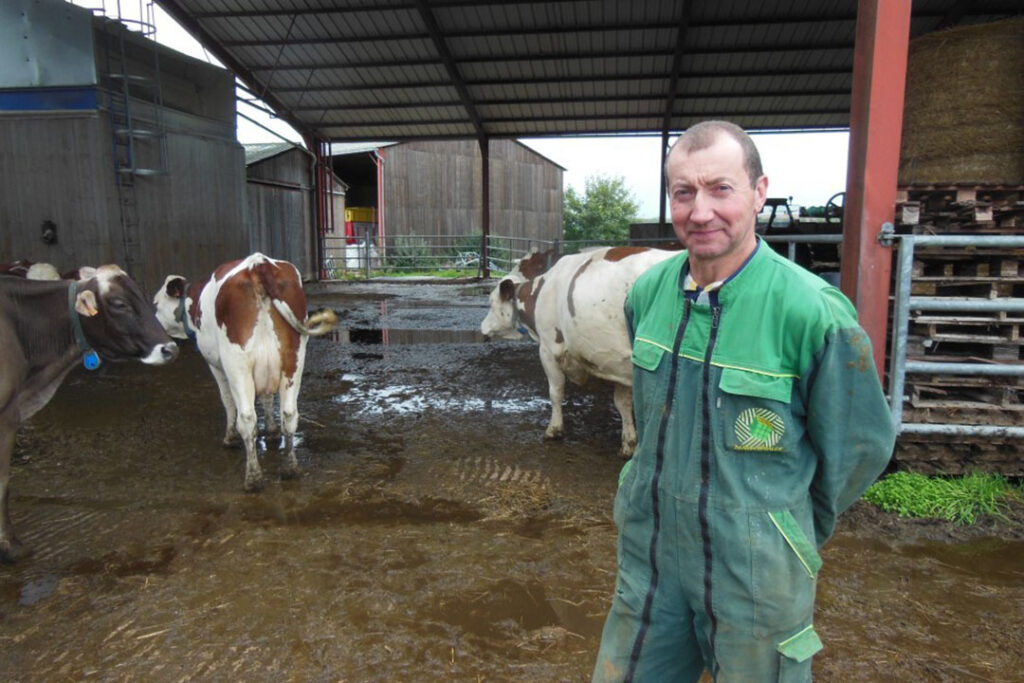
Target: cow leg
x,y
289,398
230,431
243,393
8,541
624,404
267,401
556,391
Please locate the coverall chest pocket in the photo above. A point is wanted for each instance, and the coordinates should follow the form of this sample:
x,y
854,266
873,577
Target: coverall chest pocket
x,y
754,411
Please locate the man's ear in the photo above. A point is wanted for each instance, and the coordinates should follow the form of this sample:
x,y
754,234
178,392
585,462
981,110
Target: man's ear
x,y
85,303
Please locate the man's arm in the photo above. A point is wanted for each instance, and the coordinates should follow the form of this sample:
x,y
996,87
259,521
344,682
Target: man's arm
x,y
849,423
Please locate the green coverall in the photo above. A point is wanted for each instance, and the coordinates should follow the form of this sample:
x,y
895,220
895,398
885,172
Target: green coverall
x,y
760,417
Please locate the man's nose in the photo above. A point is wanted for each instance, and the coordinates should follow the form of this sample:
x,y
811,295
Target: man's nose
x,y
702,211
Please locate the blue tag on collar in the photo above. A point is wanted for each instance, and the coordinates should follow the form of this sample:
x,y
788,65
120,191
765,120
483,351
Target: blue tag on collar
x,y
91,360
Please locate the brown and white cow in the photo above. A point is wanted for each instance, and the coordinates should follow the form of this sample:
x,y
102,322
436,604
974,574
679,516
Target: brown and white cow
x,y
46,329
575,311
30,270
249,322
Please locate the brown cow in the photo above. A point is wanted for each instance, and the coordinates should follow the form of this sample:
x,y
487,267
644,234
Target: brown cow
x,y
249,322
46,329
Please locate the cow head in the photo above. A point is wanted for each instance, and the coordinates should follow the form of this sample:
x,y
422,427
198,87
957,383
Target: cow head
x,y
116,320
171,306
503,320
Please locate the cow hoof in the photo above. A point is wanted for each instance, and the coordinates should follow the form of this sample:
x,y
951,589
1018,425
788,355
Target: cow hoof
x,y
10,552
254,484
553,434
291,472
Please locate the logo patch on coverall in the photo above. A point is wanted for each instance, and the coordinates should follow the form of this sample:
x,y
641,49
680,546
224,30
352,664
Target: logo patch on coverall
x,y
758,429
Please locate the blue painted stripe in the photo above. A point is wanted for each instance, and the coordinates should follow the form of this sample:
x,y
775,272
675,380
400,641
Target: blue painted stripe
x,y
43,99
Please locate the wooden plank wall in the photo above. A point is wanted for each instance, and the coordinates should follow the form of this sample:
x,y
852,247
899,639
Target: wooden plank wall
x,y
59,167
280,211
433,188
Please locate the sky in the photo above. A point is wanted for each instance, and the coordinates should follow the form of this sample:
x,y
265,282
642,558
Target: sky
x,y
807,167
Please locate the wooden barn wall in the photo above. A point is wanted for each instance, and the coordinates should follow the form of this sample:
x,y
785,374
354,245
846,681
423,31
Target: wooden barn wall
x,y
526,193
193,218
58,167
280,211
433,188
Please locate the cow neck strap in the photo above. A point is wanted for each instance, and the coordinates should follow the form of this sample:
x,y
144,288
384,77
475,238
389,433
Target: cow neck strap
x,y
90,359
182,316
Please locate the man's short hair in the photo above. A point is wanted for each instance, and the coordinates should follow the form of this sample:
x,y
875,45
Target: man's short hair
x,y
703,135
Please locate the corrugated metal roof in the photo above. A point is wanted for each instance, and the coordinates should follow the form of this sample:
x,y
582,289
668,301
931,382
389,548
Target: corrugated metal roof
x,y
261,151
411,69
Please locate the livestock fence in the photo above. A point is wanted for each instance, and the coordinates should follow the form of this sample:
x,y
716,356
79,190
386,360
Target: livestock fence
x,y
460,255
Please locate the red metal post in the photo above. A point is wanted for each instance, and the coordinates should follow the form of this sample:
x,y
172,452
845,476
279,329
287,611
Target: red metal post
x,y
876,122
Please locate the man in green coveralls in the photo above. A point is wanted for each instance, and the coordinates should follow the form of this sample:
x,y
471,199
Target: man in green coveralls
x,y
760,418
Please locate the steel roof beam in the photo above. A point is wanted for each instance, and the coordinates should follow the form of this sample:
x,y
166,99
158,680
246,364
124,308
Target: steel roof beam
x,y
450,65
558,56
583,79
538,31
571,100
586,117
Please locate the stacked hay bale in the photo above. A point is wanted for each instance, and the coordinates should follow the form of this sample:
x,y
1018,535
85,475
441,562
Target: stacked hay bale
x,y
963,119
962,172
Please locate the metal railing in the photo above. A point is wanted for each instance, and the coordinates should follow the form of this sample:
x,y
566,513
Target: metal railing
x,y
904,302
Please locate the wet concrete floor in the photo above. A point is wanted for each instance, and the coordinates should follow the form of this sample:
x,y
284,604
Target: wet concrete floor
x,y
434,535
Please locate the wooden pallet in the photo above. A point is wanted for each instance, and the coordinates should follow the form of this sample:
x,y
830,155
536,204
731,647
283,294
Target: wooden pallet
x,y
963,455
963,350
938,210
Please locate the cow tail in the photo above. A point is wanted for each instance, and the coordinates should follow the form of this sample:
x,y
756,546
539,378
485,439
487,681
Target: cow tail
x,y
321,322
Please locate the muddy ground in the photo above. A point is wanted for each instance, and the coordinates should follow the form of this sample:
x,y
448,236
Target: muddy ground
x,y
434,535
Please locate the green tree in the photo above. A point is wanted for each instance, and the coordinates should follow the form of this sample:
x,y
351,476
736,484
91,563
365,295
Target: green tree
x,y
604,212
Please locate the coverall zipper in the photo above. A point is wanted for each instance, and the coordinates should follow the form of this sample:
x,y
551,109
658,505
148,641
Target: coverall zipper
x,y
645,618
705,480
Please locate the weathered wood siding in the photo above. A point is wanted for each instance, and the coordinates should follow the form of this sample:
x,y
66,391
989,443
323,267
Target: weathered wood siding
x,y
58,167
433,188
280,211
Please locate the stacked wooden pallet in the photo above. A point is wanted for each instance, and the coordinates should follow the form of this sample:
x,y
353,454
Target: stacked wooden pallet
x,y
964,336
956,210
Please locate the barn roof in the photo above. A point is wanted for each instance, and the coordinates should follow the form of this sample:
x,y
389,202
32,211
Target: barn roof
x,y
361,70
261,151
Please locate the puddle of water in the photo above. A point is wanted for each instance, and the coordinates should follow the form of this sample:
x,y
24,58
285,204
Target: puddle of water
x,y
406,399
393,337
37,589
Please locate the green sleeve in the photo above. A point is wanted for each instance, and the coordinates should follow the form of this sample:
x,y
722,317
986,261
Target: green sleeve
x,y
848,421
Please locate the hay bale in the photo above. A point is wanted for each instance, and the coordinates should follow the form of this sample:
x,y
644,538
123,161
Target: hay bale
x,y
963,117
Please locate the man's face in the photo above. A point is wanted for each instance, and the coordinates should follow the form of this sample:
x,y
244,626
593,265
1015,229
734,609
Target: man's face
x,y
714,208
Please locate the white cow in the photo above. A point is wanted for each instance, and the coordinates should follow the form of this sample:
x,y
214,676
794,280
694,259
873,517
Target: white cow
x,y
575,311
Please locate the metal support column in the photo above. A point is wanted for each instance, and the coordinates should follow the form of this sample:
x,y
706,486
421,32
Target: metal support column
x,y
485,190
876,120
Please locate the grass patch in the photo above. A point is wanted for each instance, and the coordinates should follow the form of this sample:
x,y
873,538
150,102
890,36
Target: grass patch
x,y
956,499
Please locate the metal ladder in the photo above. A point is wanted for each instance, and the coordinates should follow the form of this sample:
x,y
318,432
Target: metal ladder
x,y
123,87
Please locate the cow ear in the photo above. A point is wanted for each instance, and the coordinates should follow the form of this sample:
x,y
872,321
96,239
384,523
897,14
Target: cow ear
x,y
175,287
86,272
506,290
85,303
